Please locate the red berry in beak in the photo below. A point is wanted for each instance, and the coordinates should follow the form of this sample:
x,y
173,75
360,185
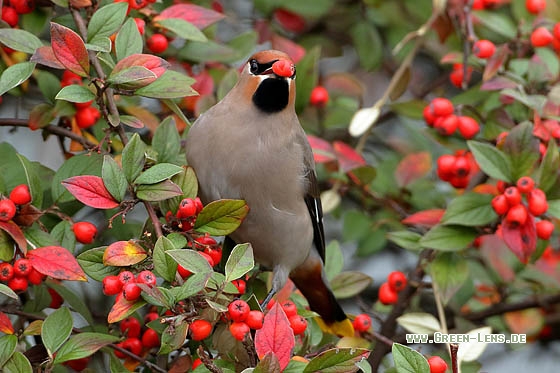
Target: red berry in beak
x,y
283,68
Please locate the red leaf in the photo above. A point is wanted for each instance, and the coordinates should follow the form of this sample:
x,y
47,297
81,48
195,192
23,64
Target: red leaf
x,y
348,158
91,191
495,62
6,326
322,149
123,308
496,253
451,58
294,50
123,253
521,240
45,56
275,336
57,262
15,232
426,218
153,63
69,49
413,167
197,15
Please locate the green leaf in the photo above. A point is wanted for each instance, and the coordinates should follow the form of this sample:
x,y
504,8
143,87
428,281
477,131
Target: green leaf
x,y
190,260
308,68
173,337
449,271
368,44
4,289
83,164
82,345
194,284
76,303
314,9
405,239
356,225
113,178
8,345
62,232
499,23
20,40
91,262
106,20
33,181
75,93
170,85
227,83
548,170
157,173
448,237
48,83
15,75
132,77
408,360
164,266
186,180
167,142
240,262
222,217
492,161
158,192
523,149
128,41
350,283
133,158
182,28
18,363
336,360
471,209
334,260
56,329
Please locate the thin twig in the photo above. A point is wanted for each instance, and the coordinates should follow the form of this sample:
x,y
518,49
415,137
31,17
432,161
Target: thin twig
x,y
454,348
501,308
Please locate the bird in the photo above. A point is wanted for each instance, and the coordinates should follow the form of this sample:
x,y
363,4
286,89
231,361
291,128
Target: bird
x,y
251,146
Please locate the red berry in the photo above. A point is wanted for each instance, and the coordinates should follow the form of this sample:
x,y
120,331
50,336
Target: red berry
x,y
478,5
387,295
118,353
445,167
447,126
23,6
112,285
78,364
468,127
517,215
525,184
541,37
20,195
157,43
130,327
289,308
513,196
437,365
298,324
255,319
462,166
22,267
84,231
137,4
131,292
87,117
83,105
125,277
183,272
362,323
10,16
18,284
200,329
133,345
535,6
240,285
397,281
501,186
484,49
6,271
197,362
214,253
458,75
459,182
7,209
283,68
500,204
187,208
69,78
429,117
206,240
56,299
140,24
319,96
208,258
537,202
150,316
35,277
441,107
199,205
239,330
150,338
544,229
556,31
238,310
146,277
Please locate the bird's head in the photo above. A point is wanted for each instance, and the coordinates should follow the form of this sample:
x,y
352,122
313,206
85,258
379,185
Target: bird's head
x,y
268,80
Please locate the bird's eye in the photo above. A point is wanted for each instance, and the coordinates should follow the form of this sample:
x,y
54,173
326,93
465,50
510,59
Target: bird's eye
x,y
254,66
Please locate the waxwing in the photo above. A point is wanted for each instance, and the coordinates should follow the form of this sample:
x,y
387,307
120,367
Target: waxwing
x,y
251,146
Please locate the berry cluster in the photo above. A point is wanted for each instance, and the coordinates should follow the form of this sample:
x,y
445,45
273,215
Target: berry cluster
x,y
457,168
126,284
210,250
19,275
86,114
187,212
243,319
439,114
19,196
137,340
297,322
362,323
509,204
389,291
437,365
12,9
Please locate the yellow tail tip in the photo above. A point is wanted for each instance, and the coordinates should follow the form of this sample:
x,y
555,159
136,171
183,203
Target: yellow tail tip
x,y
342,328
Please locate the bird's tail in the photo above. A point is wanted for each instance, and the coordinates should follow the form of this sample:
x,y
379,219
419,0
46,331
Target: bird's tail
x,y
314,287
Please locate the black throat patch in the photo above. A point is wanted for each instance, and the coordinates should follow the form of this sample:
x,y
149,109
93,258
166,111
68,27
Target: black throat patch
x,y
272,95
